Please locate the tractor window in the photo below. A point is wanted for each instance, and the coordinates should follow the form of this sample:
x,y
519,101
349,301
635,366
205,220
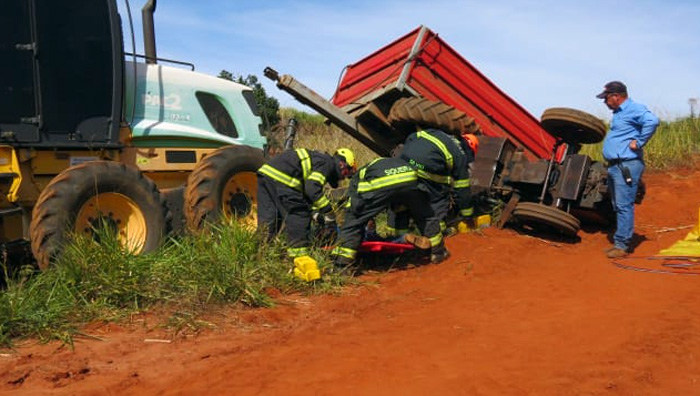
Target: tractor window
x,y
219,118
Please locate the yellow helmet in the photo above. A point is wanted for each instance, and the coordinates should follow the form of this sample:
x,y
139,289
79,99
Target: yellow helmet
x,y
347,155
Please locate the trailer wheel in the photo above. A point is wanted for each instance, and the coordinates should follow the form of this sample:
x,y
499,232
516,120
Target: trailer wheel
x,y
405,113
548,217
224,186
573,126
95,194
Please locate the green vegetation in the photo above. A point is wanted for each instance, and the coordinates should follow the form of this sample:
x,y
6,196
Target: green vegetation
x,y
267,105
187,276
675,144
314,133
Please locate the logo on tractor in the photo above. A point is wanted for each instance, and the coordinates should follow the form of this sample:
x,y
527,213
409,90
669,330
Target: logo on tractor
x,y
170,102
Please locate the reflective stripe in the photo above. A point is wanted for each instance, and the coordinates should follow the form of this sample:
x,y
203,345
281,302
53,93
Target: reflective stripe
x,y
434,241
305,162
296,252
292,182
364,168
443,226
320,203
344,252
391,231
464,183
317,177
466,212
433,177
281,177
385,181
440,145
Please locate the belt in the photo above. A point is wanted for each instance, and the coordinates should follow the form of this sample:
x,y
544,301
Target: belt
x,y
618,161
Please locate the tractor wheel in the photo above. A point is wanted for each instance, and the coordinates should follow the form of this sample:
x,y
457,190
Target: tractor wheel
x,y
406,113
84,197
537,215
224,186
573,126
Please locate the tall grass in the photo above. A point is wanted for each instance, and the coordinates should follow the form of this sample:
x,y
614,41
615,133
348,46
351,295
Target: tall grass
x,y
314,133
186,276
675,144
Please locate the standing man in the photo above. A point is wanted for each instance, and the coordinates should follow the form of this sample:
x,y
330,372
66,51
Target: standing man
x,y
631,128
290,187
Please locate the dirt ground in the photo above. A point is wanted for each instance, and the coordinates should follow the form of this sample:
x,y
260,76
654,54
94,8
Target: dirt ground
x,y
507,314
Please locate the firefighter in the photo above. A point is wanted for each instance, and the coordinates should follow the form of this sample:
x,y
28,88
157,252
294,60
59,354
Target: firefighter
x,y
374,188
290,189
441,162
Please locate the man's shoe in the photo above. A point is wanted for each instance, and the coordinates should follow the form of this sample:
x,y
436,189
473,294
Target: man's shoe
x,y
617,253
439,256
609,249
418,241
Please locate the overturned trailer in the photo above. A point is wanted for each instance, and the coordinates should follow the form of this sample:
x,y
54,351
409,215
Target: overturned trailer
x,y
527,169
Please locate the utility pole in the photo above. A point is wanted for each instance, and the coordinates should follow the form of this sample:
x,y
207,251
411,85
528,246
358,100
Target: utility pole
x,y
693,102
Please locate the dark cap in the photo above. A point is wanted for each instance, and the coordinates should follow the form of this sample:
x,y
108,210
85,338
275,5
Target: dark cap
x,y
613,87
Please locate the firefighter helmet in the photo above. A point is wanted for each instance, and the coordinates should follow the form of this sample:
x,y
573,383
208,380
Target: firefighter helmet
x,y
347,155
472,141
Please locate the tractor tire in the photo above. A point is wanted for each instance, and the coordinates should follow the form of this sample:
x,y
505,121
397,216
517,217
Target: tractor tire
x,y
551,218
406,113
224,186
573,126
89,195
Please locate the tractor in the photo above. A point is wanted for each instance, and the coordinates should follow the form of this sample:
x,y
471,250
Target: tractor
x,y
91,136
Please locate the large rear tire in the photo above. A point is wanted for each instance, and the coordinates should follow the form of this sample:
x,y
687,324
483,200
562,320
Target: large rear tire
x,y
223,186
406,113
551,218
573,126
87,196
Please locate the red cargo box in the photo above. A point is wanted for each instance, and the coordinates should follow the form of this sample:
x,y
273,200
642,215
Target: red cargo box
x,y
422,64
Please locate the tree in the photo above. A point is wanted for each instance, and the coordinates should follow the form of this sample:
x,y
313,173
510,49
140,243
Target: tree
x,y
267,105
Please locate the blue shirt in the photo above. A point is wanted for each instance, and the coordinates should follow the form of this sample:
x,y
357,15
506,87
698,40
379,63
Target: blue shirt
x,y
630,121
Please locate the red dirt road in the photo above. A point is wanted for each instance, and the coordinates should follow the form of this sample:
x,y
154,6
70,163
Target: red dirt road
x,y
508,314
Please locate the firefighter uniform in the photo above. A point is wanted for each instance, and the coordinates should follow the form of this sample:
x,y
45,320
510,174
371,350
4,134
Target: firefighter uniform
x,y
374,188
290,187
441,162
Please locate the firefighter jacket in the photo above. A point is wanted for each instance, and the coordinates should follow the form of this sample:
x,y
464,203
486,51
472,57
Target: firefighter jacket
x,y
379,178
442,160
305,171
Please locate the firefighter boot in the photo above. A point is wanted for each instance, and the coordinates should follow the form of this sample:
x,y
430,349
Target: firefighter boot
x,y
343,266
439,253
418,241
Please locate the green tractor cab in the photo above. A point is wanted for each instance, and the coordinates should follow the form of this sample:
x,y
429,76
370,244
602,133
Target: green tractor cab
x,y
91,136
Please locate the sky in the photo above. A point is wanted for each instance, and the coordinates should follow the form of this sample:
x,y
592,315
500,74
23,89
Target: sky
x,y
547,53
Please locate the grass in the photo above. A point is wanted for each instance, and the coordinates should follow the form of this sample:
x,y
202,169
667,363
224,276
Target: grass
x,y
675,144
187,276
314,133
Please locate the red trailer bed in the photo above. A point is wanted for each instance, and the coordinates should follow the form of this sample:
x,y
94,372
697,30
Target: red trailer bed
x,y
422,64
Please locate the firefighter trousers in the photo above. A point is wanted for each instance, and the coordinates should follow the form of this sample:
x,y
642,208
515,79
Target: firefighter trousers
x,y
398,218
281,208
417,206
